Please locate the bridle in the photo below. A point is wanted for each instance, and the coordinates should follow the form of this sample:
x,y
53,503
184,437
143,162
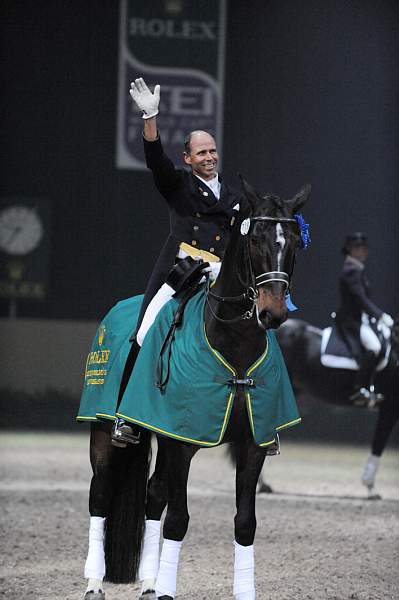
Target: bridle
x,y
254,282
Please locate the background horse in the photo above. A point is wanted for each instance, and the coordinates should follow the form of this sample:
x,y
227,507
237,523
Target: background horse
x,y
300,343
248,297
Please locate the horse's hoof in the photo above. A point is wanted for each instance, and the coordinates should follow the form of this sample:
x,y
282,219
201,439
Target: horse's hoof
x,y
148,595
372,495
264,488
165,598
90,595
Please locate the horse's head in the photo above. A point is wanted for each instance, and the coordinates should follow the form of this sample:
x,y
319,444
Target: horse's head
x,y
273,233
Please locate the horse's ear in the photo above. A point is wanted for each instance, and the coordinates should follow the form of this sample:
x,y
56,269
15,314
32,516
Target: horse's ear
x,y
250,194
300,198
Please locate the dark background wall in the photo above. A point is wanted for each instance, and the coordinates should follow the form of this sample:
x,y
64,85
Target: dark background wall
x,y
311,94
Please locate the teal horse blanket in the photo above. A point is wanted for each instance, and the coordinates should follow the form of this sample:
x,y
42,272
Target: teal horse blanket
x,y
197,401
106,360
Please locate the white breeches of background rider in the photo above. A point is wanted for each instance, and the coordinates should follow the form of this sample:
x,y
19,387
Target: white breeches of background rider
x,y
369,339
163,295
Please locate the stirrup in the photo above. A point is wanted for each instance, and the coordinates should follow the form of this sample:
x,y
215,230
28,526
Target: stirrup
x,y
366,398
274,448
122,434
360,397
375,398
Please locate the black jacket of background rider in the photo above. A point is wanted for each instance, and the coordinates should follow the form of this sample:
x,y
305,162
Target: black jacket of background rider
x,y
197,217
355,299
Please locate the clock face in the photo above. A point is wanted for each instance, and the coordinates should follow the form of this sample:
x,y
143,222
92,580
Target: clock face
x,y
20,229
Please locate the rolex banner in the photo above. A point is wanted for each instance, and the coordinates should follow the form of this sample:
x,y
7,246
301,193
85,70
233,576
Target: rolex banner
x,y
180,45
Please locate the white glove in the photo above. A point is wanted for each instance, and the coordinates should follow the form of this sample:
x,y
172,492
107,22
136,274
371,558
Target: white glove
x,y
213,270
386,320
145,100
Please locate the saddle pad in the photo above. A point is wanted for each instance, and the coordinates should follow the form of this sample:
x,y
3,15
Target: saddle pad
x,y
335,354
196,404
106,360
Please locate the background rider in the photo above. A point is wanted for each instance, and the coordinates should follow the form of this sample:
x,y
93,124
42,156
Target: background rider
x,y
358,318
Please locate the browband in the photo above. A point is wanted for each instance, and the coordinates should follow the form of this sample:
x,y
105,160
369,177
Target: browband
x,y
275,219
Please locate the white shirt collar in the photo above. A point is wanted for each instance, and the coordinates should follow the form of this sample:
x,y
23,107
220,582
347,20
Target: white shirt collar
x,y
214,184
357,263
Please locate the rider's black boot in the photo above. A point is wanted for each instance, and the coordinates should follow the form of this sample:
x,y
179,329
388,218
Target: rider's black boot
x,y
124,433
364,393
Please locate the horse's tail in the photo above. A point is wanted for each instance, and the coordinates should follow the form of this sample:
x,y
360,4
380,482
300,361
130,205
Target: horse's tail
x,y
124,525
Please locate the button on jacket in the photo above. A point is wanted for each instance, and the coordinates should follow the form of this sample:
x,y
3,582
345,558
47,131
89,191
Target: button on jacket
x,y
197,217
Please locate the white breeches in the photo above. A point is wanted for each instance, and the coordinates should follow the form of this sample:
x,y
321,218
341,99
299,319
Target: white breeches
x,y
163,295
369,339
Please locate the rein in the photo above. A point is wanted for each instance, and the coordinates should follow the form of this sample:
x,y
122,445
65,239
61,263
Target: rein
x,y
256,281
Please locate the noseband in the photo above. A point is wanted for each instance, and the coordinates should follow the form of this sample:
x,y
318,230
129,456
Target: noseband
x,y
256,281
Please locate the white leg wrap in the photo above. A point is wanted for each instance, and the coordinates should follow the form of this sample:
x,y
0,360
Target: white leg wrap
x,y
370,470
167,574
95,562
149,563
244,572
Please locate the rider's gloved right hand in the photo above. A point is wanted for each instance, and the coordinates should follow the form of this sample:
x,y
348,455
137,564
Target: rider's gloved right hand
x,y
386,320
145,100
213,269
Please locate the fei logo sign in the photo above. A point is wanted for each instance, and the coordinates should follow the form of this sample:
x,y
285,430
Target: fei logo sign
x,y
180,45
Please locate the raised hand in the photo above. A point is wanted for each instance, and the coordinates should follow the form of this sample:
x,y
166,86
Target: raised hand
x,y
145,100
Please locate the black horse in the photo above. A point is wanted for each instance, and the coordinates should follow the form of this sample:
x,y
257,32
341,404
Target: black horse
x,y
301,343
249,296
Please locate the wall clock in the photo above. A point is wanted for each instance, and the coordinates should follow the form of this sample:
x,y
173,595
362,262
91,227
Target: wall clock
x,y
21,229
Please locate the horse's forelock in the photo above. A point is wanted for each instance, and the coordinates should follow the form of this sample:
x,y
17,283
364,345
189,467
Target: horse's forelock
x,y
274,206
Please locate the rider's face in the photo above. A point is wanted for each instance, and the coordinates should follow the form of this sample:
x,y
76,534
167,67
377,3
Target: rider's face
x,y
360,252
203,157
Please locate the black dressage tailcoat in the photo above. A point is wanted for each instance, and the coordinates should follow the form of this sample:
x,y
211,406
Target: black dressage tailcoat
x,y
197,217
355,299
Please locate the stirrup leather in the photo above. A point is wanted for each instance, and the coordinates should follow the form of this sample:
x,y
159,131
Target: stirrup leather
x,y
122,434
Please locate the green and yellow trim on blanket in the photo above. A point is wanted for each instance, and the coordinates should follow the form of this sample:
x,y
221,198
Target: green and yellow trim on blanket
x,y
197,402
